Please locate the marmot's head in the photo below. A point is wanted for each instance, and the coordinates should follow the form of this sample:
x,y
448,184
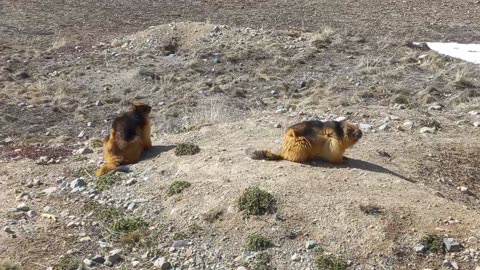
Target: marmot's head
x,y
351,133
139,108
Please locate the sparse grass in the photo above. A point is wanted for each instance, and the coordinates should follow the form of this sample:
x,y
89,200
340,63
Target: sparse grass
x,y
371,209
430,122
106,181
177,187
255,201
126,225
212,215
7,265
330,262
432,243
462,80
102,212
194,229
179,236
96,143
323,39
70,263
186,149
400,99
262,262
132,238
257,242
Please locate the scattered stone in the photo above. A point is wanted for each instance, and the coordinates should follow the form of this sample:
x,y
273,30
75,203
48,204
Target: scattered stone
x,y
341,118
277,125
447,264
73,224
114,257
8,230
474,113
22,207
85,239
131,182
162,264
98,103
81,134
427,130
408,124
84,151
123,169
131,206
310,244
78,183
241,268
436,107
385,126
31,214
180,243
365,127
295,257
452,245
135,263
8,140
399,106
463,189
419,248
102,244
476,124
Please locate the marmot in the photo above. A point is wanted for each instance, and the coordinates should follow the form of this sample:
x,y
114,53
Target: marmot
x,y
310,140
128,138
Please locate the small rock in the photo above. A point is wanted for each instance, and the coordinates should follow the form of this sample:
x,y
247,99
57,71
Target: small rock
x,y
452,245
8,230
31,214
131,206
78,183
340,119
310,244
277,125
399,106
84,151
474,113
427,130
241,268
98,103
102,244
22,207
408,124
419,248
476,124
123,169
85,239
447,264
180,243
436,107
295,257
8,140
463,189
131,182
113,258
385,126
73,224
135,263
162,264
81,134
365,127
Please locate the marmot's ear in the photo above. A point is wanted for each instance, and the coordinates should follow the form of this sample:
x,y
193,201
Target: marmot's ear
x,y
131,106
148,109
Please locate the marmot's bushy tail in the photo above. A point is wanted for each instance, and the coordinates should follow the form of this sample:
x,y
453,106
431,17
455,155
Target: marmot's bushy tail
x,y
262,154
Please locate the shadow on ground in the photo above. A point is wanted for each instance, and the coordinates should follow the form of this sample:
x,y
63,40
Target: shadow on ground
x,y
156,150
362,165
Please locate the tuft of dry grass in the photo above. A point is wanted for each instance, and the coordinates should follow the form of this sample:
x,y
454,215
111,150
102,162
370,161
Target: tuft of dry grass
x,y
371,209
322,39
463,80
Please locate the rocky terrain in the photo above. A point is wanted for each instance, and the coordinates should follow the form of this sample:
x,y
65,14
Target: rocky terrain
x,y
406,199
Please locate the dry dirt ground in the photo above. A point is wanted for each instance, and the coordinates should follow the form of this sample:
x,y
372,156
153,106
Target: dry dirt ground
x,y
236,79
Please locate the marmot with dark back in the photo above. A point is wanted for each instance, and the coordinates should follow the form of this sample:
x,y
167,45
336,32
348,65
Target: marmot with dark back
x,y
128,138
311,140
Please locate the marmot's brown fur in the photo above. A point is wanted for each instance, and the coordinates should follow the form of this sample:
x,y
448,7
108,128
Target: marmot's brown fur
x,y
128,138
310,140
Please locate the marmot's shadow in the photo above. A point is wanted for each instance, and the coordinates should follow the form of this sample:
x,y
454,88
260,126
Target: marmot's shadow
x,y
362,165
156,150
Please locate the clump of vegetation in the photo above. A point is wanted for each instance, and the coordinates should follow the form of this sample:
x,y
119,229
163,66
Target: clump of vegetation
x,y
462,80
106,181
96,143
126,225
330,262
371,209
133,238
70,263
257,242
430,122
323,39
179,236
7,265
432,244
262,262
255,201
102,212
186,149
212,215
194,229
177,187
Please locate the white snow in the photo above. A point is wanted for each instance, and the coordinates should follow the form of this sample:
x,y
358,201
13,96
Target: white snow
x,y
466,52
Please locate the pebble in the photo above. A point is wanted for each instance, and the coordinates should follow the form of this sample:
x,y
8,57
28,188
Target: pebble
x,y
452,245
78,183
295,258
84,151
241,268
49,191
131,206
427,130
385,126
22,207
310,244
31,214
8,230
419,248
340,119
277,125
114,257
98,103
408,124
476,124
180,243
81,134
365,126
131,182
162,264
102,244
463,189
436,107
474,112
95,260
